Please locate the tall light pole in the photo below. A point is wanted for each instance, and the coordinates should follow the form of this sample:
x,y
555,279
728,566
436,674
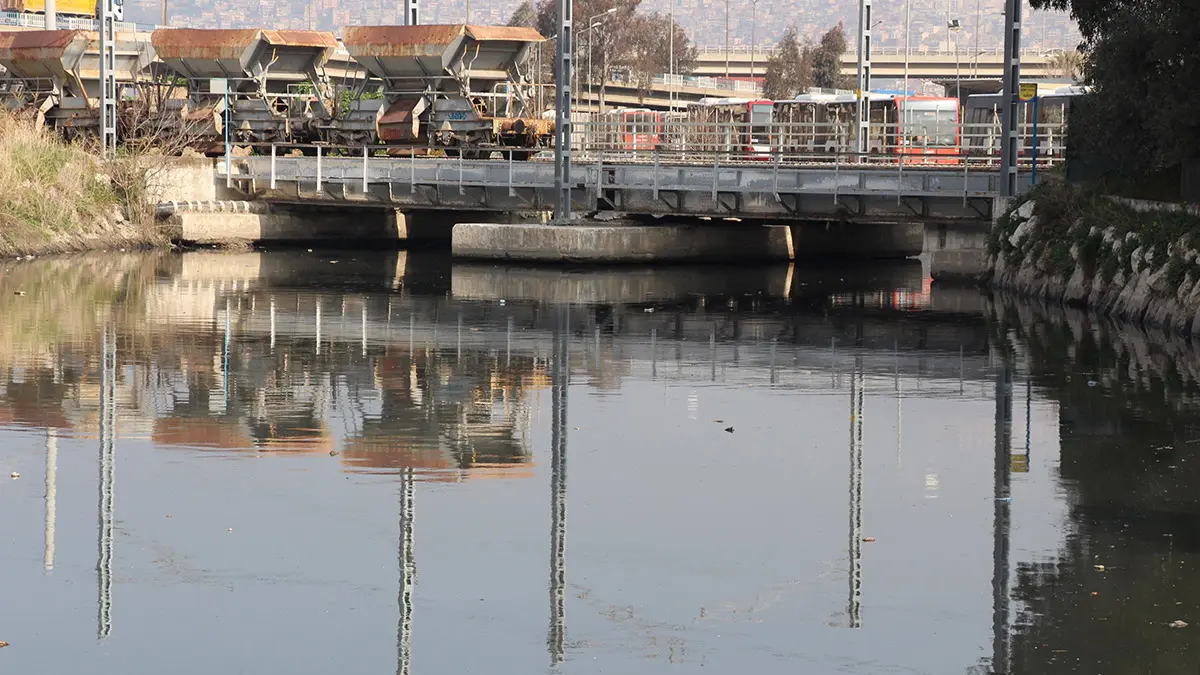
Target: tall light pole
x,y
671,58
907,34
955,26
862,109
52,15
562,113
727,39
1011,97
753,37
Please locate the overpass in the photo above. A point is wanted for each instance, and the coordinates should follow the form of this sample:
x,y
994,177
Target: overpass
x,y
888,62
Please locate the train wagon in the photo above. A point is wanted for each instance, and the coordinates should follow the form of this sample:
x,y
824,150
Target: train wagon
x,y
272,81
459,87
53,75
734,127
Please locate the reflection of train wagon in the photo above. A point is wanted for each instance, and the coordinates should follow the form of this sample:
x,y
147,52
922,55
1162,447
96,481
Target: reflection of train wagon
x,y
737,126
982,126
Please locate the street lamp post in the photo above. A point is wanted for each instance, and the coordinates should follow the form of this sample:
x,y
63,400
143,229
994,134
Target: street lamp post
x,y
753,36
727,39
955,26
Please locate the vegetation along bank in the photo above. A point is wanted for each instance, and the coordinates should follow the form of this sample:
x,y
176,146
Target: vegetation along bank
x,y
57,196
1075,245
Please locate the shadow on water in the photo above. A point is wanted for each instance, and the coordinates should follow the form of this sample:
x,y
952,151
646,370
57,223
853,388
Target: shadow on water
x,y
1129,434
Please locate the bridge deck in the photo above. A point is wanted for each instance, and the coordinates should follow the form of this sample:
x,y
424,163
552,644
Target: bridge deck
x,y
862,192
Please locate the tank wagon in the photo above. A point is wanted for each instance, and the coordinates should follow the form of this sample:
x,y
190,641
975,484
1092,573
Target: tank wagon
x,y
272,81
54,76
462,88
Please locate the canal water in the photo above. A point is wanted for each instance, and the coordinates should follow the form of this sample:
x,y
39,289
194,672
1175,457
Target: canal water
x,y
315,462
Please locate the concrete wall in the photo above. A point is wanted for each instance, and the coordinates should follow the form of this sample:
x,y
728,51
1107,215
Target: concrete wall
x,y
183,179
957,252
280,225
620,243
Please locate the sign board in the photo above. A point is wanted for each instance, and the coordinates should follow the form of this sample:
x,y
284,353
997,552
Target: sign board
x,y
1028,91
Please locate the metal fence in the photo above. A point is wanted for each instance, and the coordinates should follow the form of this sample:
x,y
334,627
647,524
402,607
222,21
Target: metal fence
x,y
67,22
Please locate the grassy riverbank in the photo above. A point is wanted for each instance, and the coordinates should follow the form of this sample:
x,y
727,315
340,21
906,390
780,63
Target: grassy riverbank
x,y
1076,245
57,196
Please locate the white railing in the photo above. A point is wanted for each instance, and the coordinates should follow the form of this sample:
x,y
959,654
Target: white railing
x,y
701,82
765,52
66,22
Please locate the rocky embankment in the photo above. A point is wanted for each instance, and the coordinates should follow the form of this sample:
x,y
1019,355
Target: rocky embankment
x,y
1066,245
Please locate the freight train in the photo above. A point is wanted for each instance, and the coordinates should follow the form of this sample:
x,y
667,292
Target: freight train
x,y
458,89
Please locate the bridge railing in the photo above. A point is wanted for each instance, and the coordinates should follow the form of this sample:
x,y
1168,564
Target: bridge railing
x,y
65,22
675,140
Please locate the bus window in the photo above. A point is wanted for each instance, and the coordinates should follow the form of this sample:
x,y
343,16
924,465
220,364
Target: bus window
x,y
760,123
931,124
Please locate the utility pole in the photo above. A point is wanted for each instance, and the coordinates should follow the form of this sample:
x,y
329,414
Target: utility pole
x,y
108,76
727,39
1011,98
863,109
562,113
412,12
163,18
51,15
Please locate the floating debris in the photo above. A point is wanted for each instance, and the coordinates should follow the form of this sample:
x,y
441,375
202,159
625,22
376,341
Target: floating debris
x,y
729,430
869,540
1099,568
1178,624
19,293
3,644
14,475
334,453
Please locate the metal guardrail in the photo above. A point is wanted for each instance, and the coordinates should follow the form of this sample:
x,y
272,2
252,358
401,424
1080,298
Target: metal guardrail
x,y
67,22
876,51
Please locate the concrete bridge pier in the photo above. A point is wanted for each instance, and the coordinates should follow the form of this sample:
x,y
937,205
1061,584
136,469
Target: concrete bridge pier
x,y
726,241
957,251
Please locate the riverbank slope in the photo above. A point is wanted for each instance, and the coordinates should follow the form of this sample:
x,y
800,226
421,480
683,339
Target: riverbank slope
x,y
1067,244
57,197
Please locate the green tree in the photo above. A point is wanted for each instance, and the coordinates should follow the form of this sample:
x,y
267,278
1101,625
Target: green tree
x,y
1140,58
827,58
524,15
790,68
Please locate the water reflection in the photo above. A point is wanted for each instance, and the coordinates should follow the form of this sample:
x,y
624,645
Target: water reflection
x,y
250,374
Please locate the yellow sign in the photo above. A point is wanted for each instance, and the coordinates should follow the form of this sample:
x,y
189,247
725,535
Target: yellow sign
x,y
1028,91
1020,463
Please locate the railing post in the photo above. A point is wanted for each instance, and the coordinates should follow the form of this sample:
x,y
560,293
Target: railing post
x,y
461,189
511,192
656,173
365,155
412,172
272,166
318,168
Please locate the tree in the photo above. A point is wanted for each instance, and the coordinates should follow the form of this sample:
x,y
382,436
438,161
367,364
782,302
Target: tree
x,y
649,49
1066,65
790,68
524,15
1140,58
827,58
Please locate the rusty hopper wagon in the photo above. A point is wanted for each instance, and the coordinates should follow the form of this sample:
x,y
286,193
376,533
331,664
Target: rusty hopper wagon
x,y
463,88
54,75
277,90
